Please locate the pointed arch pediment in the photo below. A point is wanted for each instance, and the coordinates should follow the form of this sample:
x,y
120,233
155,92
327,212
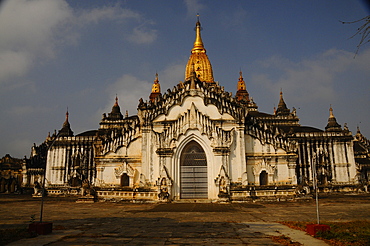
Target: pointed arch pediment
x,y
209,110
124,168
206,96
263,166
221,135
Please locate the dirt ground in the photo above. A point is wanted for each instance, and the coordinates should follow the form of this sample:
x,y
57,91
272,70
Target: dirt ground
x,y
18,209
134,222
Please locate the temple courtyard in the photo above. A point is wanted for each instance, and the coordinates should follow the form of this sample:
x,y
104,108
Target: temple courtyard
x,y
108,223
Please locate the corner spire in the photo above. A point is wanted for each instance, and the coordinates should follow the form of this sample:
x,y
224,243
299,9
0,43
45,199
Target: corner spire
x,y
115,114
66,122
156,86
332,125
116,103
242,93
282,109
156,89
66,128
331,115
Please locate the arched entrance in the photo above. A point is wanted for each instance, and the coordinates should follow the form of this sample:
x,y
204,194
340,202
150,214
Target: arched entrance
x,y
125,180
263,178
193,172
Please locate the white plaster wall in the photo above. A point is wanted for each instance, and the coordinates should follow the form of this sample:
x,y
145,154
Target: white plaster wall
x,y
135,148
109,176
237,161
55,159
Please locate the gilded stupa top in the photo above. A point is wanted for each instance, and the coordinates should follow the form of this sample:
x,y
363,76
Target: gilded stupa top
x,y
198,43
198,61
156,88
241,84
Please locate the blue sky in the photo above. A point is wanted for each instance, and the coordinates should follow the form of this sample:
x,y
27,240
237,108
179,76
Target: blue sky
x,y
79,54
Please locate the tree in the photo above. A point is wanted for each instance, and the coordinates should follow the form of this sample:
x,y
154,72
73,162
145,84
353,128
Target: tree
x,y
363,30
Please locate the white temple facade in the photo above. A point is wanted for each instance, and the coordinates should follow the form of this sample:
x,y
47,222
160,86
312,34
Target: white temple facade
x,y
197,141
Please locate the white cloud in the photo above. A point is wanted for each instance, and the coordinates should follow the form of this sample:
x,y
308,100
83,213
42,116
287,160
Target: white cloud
x,y
106,13
27,33
193,7
30,25
13,63
172,75
129,90
27,110
311,79
142,35
35,31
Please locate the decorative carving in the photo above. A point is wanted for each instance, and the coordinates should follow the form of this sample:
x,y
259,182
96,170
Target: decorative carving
x,y
124,168
114,139
263,166
164,184
223,183
211,94
193,119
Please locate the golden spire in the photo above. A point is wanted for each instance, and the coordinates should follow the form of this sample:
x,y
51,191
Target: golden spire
x,y
242,93
198,43
116,103
198,61
241,83
156,87
331,114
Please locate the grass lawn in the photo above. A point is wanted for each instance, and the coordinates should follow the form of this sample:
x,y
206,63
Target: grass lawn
x,y
353,233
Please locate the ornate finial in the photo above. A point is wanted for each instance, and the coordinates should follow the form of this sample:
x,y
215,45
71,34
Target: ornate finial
x,y
331,112
241,93
241,83
116,103
66,128
332,122
282,109
198,16
66,122
126,113
199,57
156,87
198,43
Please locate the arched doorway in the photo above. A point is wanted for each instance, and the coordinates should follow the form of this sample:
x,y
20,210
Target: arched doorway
x,y
125,180
193,172
263,178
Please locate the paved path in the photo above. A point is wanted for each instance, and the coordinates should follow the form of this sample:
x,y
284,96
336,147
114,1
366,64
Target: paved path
x,y
161,231
176,223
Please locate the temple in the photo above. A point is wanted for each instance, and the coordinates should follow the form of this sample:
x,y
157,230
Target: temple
x,y
197,141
